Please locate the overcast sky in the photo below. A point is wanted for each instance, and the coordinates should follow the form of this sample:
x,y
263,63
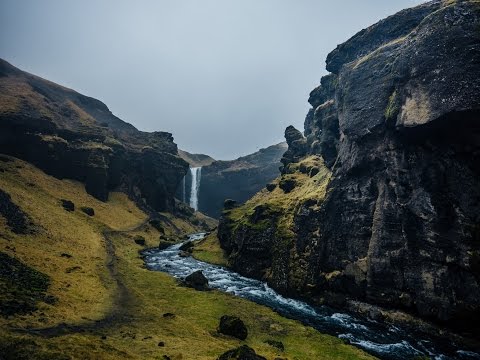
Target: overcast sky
x,y
225,77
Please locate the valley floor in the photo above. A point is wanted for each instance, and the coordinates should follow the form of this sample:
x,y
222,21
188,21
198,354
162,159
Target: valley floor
x,y
99,301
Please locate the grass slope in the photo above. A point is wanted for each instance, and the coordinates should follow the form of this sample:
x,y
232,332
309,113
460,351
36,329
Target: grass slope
x,y
85,289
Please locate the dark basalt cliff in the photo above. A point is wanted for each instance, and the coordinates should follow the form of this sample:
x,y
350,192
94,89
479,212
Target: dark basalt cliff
x,y
397,124
238,179
69,135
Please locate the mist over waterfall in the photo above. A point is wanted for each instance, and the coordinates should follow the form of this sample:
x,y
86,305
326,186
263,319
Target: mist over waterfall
x,y
196,173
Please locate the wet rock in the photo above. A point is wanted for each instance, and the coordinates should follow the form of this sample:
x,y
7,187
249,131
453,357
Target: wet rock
x,y
68,205
197,280
243,352
88,210
188,246
233,326
139,240
184,254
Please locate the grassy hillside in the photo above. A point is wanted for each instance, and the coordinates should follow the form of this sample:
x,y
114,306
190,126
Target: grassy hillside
x,y
99,302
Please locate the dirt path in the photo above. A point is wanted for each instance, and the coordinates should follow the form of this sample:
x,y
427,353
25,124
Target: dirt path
x,y
122,302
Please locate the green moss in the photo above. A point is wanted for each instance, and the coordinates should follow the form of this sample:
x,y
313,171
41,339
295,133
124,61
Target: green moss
x,y
392,109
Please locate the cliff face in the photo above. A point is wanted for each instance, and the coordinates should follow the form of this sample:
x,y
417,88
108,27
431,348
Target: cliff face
x,y
70,135
397,125
238,179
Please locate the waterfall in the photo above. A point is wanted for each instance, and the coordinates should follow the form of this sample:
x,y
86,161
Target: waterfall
x,y
196,173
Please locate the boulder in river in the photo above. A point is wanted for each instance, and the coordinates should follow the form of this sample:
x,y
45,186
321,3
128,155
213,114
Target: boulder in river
x,y
186,246
197,280
243,352
233,326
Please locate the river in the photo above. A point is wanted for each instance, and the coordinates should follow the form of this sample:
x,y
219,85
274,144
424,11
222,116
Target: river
x,y
382,340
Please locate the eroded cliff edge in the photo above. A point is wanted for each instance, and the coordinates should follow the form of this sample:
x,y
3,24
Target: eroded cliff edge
x,y
69,135
380,201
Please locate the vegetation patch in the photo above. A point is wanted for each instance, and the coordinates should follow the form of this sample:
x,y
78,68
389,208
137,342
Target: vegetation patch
x,y
21,287
16,219
86,296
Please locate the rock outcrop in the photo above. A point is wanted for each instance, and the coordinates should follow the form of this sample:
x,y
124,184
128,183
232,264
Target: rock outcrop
x,y
69,135
397,125
238,179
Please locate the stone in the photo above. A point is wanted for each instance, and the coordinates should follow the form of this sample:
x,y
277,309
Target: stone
x,y
243,352
139,240
186,246
232,326
68,205
287,184
197,280
270,187
88,210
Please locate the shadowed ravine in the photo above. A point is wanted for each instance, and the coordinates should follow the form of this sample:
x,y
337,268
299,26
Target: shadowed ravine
x,y
381,340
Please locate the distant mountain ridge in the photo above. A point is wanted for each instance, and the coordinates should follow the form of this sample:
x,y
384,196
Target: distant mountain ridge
x,y
238,179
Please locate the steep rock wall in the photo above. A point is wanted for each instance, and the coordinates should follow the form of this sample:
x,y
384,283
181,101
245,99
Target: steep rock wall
x,y
397,123
69,135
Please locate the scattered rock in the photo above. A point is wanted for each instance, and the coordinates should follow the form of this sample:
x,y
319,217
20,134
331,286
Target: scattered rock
x,y
197,280
229,204
88,210
166,357
243,352
287,184
233,326
139,239
276,344
169,315
165,244
66,255
161,344
271,186
186,246
104,337
68,205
